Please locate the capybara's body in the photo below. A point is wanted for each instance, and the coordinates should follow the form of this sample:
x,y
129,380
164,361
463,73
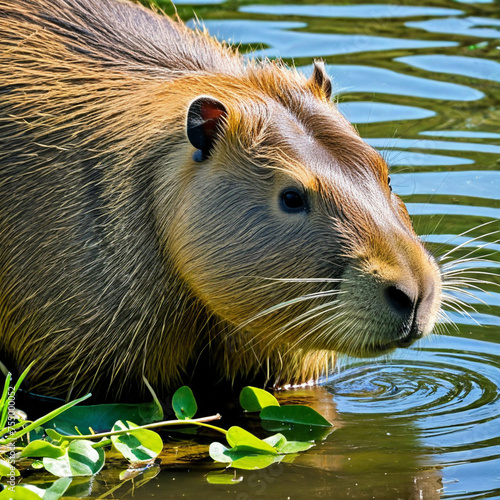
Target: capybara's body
x,y
164,204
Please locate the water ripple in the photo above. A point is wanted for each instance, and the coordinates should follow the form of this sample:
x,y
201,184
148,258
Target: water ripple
x,y
450,390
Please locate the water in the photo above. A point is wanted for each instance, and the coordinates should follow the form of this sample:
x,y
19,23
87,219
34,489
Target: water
x,y
422,83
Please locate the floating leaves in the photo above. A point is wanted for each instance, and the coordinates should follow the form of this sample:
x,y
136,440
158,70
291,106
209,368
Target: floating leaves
x,y
249,452
72,441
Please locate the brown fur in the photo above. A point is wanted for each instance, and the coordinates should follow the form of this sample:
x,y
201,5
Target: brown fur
x,y
120,256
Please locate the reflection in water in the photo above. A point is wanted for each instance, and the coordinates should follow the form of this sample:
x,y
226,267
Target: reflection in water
x,y
364,11
456,65
397,158
293,44
469,26
432,144
464,134
450,391
477,183
376,112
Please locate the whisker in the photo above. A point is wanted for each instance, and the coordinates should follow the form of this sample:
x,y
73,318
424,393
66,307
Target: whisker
x,y
462,311
447,242
472,260
467,242
450,300
287,303
465,292
448,320
309,315
307,280
467,258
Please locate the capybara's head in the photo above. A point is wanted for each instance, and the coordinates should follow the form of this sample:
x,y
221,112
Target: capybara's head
x,y
288,229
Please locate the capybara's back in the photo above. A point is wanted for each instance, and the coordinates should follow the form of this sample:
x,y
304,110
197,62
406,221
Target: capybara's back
x,y
163,203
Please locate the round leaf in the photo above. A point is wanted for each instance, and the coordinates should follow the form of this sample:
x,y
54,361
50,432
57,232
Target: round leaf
x,y
40,448
138,445
243,441
80,459
254,399
294,414
184,404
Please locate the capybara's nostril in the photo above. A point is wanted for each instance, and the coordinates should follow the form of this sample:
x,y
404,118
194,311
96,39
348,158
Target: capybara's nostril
x,y
399,302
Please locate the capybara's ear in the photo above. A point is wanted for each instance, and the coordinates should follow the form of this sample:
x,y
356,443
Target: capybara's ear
x,y
320,78
204,122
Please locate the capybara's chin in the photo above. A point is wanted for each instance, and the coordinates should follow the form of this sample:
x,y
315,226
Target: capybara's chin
x,y
165,204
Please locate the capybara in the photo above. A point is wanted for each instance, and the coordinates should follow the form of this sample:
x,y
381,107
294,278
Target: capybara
x,y
165,203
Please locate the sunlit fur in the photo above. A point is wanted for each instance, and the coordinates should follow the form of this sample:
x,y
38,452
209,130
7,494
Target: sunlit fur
x,y
120,256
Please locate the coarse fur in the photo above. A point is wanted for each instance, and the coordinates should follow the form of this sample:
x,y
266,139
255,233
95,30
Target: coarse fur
x,y
121,256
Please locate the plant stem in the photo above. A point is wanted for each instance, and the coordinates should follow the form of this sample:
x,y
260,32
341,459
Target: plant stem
x,y
167,423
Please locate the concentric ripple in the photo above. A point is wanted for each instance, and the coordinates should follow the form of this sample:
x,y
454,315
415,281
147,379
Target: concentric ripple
x,y
448,390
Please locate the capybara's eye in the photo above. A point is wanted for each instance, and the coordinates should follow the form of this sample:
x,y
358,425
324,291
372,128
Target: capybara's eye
x,y
293,201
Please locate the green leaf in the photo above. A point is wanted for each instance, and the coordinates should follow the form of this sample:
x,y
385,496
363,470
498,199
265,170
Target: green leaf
x,y
254,399
37,464
40,448
6,469
243,441
215,477
294,414
18,493
100,418
80,459
184,404
55,491
137,445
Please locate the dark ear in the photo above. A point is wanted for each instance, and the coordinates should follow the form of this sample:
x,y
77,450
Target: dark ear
x,y
320,78
204,121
